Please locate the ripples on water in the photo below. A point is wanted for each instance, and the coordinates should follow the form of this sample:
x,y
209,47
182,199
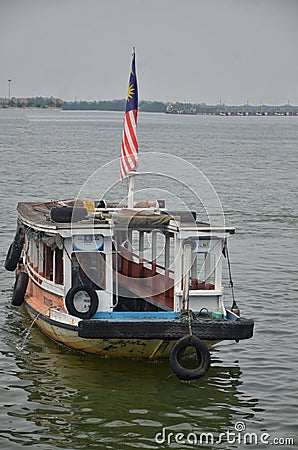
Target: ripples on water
x,y
52,397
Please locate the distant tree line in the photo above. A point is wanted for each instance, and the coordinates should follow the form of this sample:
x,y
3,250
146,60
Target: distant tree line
x,y
31,102
102,105
182,108
113,105
119,105
147,106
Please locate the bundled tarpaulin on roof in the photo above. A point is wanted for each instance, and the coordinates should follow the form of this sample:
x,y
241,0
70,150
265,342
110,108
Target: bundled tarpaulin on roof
x,y
140,221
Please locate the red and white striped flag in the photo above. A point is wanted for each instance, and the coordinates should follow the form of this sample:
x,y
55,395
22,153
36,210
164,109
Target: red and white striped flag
x,y
129,147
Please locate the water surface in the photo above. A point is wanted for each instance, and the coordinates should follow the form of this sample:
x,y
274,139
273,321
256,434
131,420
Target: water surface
x,y
52,397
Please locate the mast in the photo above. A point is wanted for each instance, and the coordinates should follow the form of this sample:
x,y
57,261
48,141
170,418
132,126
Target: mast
x,y
130,186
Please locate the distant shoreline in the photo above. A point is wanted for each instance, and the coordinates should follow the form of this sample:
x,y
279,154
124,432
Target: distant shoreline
x,y
149,106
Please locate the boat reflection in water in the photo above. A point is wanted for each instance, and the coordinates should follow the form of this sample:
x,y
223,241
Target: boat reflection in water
x,y
73,400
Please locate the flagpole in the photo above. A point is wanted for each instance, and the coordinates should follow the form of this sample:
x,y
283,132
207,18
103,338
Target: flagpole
x,y
130,183
129,147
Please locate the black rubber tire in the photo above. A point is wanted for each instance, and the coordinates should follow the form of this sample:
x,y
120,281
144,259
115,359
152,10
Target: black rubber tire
x,y
13,256
19,289
68,214
172,330
203,357
69,302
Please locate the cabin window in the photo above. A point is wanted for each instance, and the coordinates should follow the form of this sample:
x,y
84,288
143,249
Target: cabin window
x,y
48,262
59,266
133,241
30,253
33,254
160,249
89,268
40,258
205,267
35,259
203,271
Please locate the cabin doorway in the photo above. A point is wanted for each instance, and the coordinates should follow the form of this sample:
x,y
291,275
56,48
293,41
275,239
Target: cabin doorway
x,y
89,269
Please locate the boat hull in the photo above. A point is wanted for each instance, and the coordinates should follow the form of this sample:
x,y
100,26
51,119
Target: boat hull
x,y
124,344
67,335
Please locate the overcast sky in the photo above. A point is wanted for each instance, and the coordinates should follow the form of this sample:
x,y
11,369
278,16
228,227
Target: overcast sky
x,y
186,50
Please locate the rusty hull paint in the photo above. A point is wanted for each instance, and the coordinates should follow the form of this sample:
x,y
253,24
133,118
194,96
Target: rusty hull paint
x,y
114,348
38,302
40,299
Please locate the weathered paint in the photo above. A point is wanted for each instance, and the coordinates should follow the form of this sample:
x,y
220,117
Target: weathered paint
x,y
115,348
46,308
40,299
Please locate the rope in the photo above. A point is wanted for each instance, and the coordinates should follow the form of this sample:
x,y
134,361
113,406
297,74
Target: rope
x,y
116,273
226,253
189,313
27,331
186,281
198,317
66,252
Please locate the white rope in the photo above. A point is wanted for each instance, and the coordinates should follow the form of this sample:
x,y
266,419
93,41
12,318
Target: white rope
x,y
27,331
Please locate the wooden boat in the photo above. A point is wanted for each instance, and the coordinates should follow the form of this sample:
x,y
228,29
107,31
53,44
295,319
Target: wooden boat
x,y
88,281
135,281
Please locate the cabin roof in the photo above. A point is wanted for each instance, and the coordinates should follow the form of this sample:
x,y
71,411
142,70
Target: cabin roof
x,y
37,216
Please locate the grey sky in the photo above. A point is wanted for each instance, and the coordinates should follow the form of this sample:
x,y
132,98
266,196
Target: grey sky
x,y
187,50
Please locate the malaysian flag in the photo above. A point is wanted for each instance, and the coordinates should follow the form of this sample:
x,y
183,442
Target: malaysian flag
x,y
129,147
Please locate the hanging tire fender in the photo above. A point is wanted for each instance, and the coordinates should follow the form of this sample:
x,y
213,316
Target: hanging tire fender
x,y
203,358
19,289
70,301
13,256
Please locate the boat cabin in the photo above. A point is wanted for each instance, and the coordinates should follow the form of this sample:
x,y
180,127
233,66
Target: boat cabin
x,y
140,260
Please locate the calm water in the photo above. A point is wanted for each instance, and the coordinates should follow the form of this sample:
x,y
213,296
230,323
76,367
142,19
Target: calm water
x,y
53,398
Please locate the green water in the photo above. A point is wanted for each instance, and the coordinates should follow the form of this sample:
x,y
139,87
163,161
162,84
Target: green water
x,y
54,398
